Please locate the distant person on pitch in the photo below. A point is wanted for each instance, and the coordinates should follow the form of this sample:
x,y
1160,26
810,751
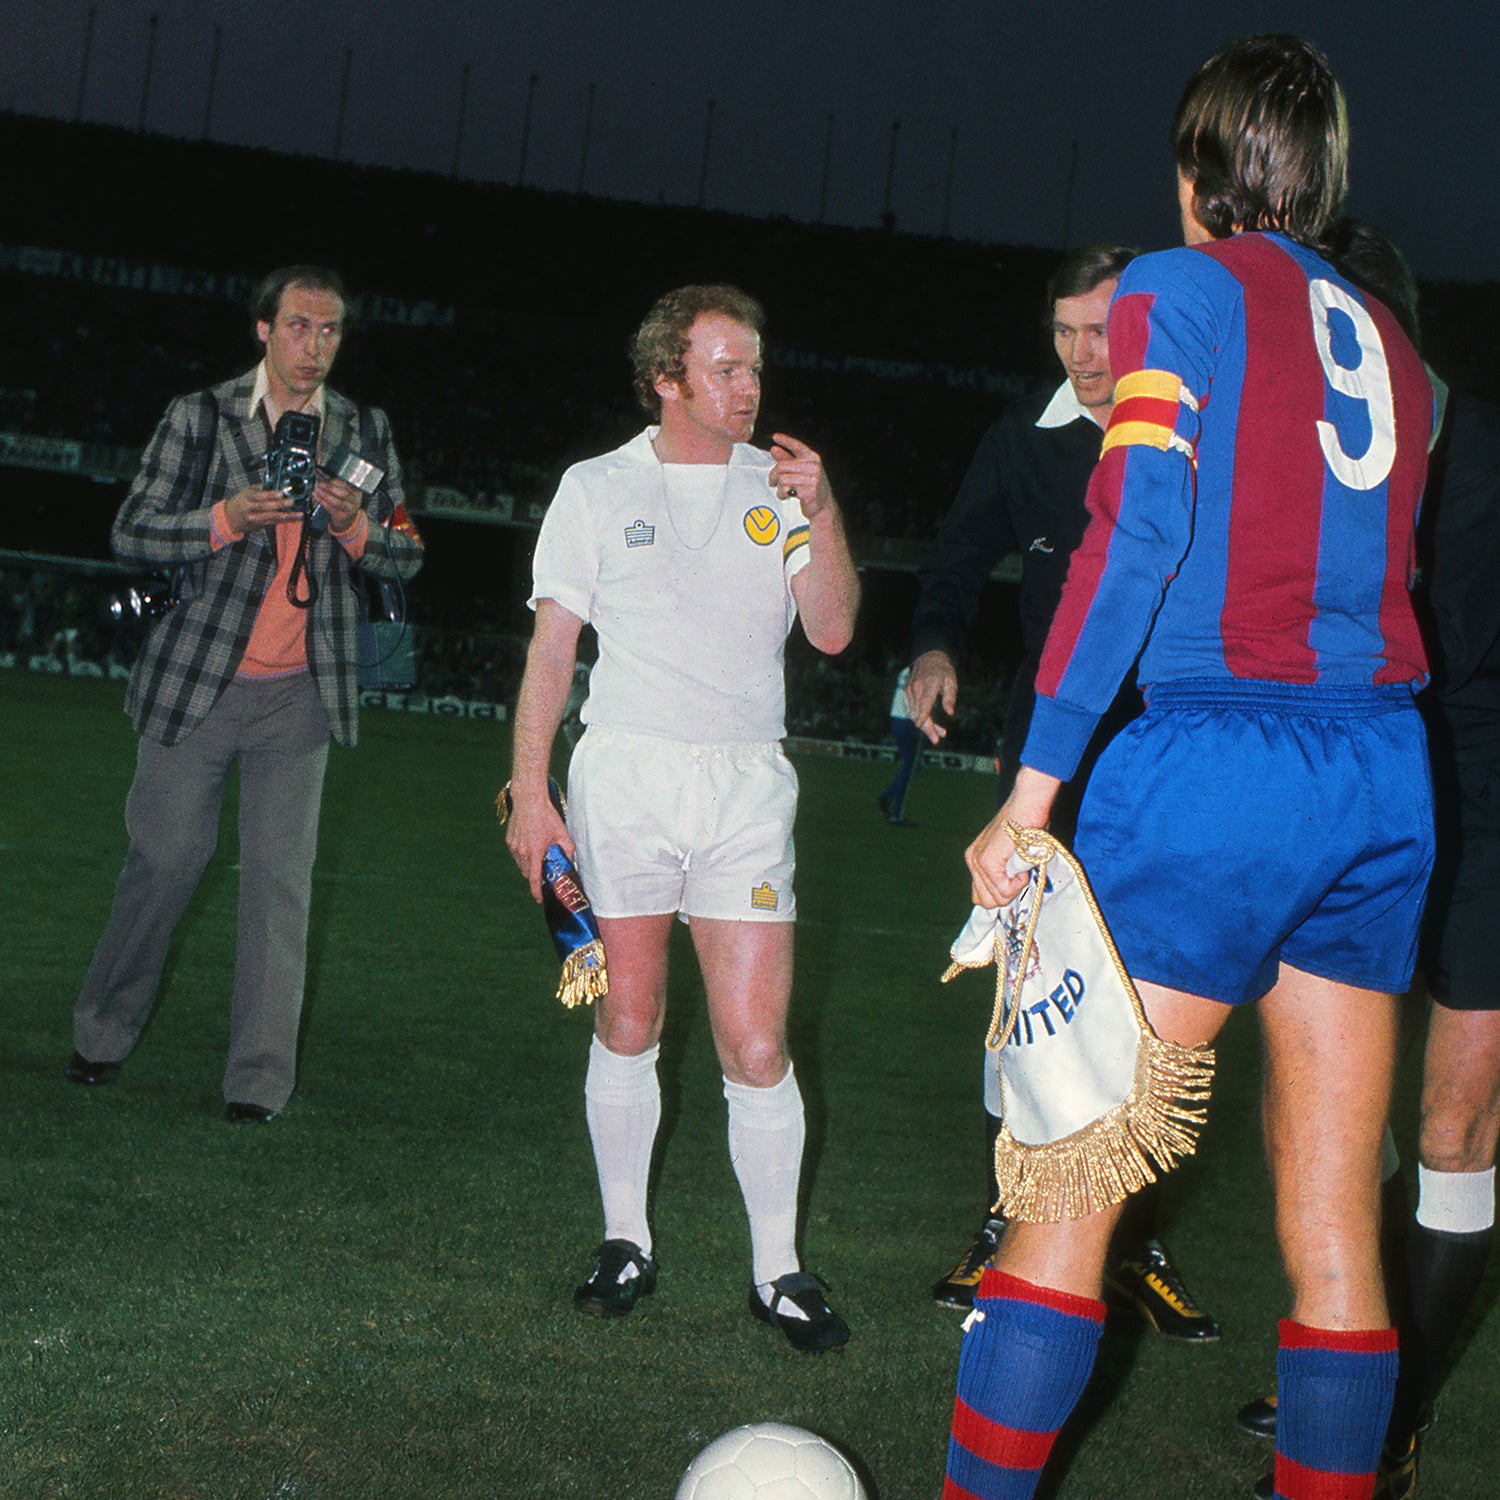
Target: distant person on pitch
x,y
908,741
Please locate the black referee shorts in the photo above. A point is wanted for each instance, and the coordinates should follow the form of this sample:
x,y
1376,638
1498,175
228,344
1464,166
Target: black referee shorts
x,y
1463,904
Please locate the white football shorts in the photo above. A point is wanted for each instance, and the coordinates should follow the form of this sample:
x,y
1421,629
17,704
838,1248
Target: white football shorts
x,y
668,826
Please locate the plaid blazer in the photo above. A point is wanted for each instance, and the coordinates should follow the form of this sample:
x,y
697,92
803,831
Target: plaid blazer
x,y
195,649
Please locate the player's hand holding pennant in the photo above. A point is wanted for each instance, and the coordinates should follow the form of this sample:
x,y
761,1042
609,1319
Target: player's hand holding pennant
x,y
570,916
1095,1103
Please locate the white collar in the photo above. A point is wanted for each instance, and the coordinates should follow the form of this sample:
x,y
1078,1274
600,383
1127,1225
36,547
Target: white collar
x,y
1065,407
642,449
262,392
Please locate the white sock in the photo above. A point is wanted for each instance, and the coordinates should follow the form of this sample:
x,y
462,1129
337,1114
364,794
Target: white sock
x,y
1455,1202
766,1132
622,1101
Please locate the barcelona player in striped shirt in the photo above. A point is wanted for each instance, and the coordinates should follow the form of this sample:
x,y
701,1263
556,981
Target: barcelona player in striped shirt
x,y
1263,832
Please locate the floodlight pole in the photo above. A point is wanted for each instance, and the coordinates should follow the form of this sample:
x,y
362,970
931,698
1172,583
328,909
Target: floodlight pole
x,y
1067,234
213,81
526,130
463,108
140,123
708,135
83,66
588,131
338,128
947,226
887,217
827,166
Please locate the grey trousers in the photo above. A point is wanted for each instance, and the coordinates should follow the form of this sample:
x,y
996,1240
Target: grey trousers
x,y
278,732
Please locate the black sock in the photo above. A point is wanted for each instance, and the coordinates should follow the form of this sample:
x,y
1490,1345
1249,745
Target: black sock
x,y
1138,1223
1444,1272
1396,1225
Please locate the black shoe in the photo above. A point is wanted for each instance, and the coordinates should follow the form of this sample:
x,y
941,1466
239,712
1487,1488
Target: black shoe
x,y
1258,1418
1265,1487
623,1273
957,1288
248,1114
799,1309
81,1070
1149,1282
1396,1477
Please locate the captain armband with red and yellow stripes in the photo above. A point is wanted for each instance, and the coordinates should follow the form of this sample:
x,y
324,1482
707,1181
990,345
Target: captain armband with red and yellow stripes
x,y
401,521
1153,409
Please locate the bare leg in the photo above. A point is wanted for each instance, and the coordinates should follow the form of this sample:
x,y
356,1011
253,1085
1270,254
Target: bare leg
x,y
1461,1090
628,1020
747,971
1330,1063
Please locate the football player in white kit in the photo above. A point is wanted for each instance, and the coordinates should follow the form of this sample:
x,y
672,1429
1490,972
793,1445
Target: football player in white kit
x,y
690,553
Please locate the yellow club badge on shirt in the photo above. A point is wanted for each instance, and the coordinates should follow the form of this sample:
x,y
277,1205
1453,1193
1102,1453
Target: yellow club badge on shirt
x,y
762,525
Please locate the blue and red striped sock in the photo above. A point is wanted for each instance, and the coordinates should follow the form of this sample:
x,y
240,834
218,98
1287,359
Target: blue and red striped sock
x,y
1334,1390
1025,1361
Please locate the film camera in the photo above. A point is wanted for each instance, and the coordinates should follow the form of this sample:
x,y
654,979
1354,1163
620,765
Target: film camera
x,y
292,458
292,465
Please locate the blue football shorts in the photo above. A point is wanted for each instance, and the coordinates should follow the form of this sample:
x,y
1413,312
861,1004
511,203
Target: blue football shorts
x,y
1237,825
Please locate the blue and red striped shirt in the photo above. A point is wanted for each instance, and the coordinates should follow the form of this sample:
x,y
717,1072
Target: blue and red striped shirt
x,y
1253,511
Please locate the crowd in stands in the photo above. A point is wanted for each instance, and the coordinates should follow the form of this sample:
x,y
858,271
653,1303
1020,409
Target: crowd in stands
x,y
498,404
532,372
84,621
890,353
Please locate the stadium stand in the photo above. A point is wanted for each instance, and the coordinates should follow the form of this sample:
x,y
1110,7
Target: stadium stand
x,y
499,352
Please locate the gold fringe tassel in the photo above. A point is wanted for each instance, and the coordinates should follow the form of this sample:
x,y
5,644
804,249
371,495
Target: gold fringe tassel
x,y
584,977
1106,1161
1110,1158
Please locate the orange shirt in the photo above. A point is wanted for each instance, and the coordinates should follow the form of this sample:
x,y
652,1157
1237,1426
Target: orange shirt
x,y
278,639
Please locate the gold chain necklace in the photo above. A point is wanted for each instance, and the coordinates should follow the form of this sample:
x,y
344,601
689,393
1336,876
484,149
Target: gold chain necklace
x,y
666,505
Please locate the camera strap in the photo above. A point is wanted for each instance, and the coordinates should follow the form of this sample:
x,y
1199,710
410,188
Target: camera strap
x,y
300,563
300,569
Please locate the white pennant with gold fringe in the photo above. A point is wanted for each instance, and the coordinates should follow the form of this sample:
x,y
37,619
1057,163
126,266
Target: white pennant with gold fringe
x,y
1095,1103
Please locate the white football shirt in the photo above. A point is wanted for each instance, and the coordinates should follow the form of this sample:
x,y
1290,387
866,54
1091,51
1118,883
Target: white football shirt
x,y
684,572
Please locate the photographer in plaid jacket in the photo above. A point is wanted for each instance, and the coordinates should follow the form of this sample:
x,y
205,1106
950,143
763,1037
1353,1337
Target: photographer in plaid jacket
x,y
253,665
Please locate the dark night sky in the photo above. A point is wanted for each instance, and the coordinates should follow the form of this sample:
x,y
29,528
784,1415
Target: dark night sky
x,y
1020,82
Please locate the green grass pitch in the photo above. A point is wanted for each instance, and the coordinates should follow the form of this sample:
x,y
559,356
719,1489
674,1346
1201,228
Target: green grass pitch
x,y
371,1297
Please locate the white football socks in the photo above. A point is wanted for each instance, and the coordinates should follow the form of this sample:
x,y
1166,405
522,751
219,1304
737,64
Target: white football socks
x,y
766,1132
1455,1202
622,1101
